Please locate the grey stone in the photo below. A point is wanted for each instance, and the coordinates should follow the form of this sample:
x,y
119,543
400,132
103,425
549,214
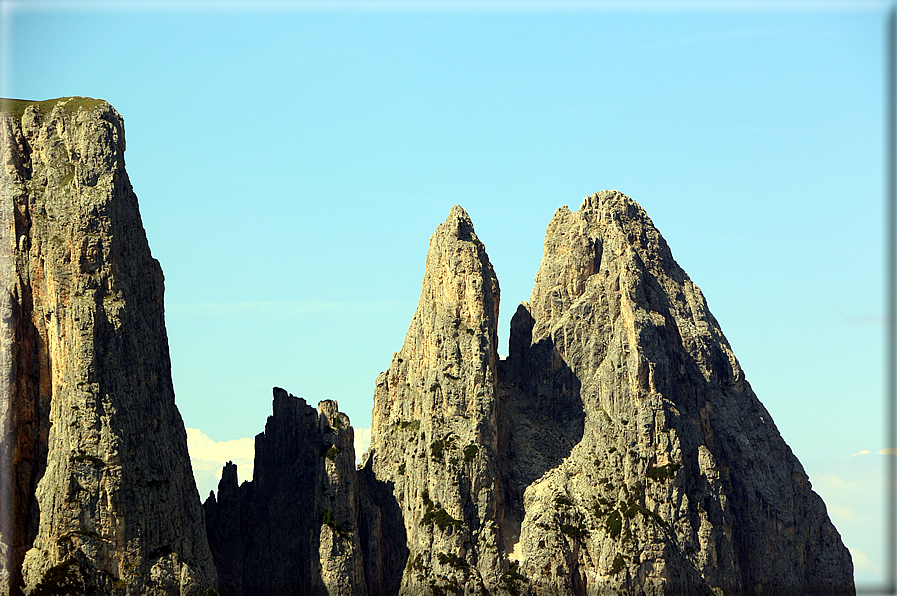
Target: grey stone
x,y
102,496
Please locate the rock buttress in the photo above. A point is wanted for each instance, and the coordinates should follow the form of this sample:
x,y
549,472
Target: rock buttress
x,y
293,528
433,437
657,470
99,494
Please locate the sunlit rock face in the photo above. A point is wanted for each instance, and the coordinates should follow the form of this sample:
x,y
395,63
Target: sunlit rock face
x,y
636,455
434,437
618,448
98,493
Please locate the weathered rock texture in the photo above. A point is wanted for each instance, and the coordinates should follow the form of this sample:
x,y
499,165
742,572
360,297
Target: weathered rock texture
x,y
665,474
291,529
98,493
434,433
618,448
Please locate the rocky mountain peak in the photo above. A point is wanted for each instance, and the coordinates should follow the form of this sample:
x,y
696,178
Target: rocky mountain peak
x,y
103,497
618,449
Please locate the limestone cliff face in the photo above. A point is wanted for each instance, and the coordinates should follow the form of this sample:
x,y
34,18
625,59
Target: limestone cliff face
x,y
660,472
434,433
292,529
98,491
618,448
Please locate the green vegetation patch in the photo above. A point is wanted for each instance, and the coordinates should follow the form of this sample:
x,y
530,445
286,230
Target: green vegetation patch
x,y
563,501
662,473
453,560
471,451
328,520
576,532
412,425
614,523
438,447
618,564
510,578
17,107
436,514
332,452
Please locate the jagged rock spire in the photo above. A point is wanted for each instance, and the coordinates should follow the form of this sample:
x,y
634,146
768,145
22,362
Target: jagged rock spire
x,y
679,481
434,430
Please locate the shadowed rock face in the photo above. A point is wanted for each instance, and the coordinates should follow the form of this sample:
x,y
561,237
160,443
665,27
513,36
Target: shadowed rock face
x,y
98,493
618,448
292,528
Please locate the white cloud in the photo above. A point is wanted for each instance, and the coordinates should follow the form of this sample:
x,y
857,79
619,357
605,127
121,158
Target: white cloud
x,y
362,442
888,451
208,457
861,452
862,563
853,491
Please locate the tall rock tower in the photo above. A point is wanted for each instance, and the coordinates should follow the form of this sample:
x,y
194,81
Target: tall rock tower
x,y
618,448
292,528
98,494
434,433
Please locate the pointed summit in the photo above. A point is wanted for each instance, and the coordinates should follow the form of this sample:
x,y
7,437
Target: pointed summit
x,y
434,430
679,481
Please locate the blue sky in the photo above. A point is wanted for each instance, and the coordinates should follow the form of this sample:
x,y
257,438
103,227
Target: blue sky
x,y
293,158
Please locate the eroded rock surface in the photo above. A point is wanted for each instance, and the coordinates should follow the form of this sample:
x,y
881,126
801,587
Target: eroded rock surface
x,y
434,433
669,476
618,448
99,495
292,529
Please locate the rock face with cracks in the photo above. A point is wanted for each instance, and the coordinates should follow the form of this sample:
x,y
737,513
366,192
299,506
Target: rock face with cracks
x,y
617,449
434,433
292,528
665,472
98,493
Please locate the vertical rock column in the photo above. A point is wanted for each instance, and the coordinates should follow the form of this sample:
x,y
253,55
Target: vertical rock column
x,y
434,438
292,528
104,497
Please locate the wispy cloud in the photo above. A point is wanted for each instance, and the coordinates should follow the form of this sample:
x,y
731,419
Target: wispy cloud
x,y
362,442
208,456
284,308
861,562
853,488
888,451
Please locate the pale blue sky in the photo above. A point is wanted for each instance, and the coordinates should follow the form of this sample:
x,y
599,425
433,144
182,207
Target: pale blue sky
x,y
292,161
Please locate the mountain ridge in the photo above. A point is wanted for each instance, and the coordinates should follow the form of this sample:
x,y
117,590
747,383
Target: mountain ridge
x,y
617,449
